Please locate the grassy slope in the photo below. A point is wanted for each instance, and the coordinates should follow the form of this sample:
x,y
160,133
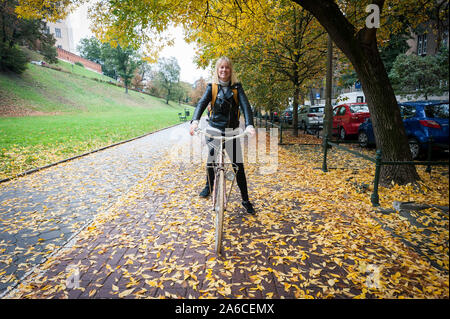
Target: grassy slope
x,y
83,115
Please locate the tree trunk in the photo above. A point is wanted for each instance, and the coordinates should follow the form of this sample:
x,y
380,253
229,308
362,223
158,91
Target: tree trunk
x,y
387,122
362,51
295,111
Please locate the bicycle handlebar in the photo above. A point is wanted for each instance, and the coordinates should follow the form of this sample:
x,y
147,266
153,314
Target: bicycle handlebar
x,y
223,138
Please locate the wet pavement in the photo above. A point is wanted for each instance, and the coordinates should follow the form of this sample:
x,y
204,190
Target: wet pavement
x,y
140,230
40,212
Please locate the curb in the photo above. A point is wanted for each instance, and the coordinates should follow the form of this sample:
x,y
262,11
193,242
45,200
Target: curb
x,y
34,170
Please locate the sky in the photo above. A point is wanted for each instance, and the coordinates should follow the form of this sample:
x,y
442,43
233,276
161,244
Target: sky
x,y
183,52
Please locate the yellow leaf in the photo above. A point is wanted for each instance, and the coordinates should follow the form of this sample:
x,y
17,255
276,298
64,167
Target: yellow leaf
x,y
151,283
129,262
126,293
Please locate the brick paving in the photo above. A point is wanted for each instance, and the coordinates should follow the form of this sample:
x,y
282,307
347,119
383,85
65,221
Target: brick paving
x,y
41,211
156,241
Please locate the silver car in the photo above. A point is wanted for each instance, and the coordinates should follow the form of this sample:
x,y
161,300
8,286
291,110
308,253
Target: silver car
x,y
310,116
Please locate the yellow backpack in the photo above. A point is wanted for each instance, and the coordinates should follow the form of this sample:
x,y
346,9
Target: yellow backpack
x,y
215,90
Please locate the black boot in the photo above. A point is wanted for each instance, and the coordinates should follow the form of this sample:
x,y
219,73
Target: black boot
x,y
205,192
249,207
209,182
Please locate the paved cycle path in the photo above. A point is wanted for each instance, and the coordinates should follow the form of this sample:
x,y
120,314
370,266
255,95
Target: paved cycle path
x,y
41,211
309,239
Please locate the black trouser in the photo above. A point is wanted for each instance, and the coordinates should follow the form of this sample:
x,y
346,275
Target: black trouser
x,y
234,151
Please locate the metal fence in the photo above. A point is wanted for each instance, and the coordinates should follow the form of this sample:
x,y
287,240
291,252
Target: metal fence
x,y
377,160
374,198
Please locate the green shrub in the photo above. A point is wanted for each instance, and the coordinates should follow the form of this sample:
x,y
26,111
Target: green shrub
x,y
49,53
12,58
80,64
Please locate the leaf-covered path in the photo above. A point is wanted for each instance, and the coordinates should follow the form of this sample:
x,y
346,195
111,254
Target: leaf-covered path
x,y
315,235
40,212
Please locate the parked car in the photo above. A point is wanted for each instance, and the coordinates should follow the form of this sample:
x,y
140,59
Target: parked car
x,y
421,120
38,62
270,116
287,114
347,118
274,116
352,97
310,116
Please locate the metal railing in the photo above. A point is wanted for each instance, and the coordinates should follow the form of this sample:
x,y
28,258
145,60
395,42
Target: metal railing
x,y
374,198
268,123
377,160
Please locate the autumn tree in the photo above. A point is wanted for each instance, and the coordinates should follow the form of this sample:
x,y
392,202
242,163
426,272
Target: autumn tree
x,y
277,48
182,92
198,91
15,31
167,77
141,75
345,22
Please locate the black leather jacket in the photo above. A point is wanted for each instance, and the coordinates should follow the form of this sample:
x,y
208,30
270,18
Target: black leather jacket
x,y
224,112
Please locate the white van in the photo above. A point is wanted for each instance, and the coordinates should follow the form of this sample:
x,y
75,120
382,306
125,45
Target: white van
x,y
352,97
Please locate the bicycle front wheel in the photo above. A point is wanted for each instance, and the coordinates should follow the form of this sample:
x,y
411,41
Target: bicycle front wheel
x,y
219,209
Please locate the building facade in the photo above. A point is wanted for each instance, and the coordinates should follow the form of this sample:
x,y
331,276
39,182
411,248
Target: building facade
x,y
427,38
62,31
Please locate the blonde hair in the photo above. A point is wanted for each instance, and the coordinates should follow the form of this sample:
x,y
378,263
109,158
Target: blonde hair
x,y
215,77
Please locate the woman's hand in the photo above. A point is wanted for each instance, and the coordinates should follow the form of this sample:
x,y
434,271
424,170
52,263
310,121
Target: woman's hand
x,y
194,126
250,130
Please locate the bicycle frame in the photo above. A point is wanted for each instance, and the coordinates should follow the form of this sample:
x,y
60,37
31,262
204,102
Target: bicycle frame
x,y
220,164
219,189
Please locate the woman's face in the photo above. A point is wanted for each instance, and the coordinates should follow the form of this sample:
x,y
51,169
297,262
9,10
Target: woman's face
x,y
224,71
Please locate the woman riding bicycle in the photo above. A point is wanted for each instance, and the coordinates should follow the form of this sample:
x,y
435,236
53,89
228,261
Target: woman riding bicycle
x,y
225,114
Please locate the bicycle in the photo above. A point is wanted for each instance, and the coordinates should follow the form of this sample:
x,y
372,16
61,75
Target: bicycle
x,y
219,196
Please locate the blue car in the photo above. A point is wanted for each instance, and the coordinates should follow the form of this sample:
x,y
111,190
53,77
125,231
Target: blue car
x,y
422,119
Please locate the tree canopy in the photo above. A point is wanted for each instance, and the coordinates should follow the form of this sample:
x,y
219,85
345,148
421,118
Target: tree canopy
x,y
16,31
239,28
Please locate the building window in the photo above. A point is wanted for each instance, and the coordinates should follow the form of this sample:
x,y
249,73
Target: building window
x,y
57,32
59,46
422,44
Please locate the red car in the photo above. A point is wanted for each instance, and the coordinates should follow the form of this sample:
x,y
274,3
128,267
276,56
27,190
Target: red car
x,y
347,118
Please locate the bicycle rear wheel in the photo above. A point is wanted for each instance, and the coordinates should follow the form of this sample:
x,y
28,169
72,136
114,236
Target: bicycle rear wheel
x,y
219,209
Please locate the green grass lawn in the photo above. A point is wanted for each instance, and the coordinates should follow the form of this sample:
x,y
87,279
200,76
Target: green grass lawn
x,y
83,115
76,69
